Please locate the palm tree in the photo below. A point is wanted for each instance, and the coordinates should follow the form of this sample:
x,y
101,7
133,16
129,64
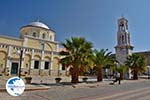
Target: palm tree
x,y
137,64
101,59
77,53
121,69
86,62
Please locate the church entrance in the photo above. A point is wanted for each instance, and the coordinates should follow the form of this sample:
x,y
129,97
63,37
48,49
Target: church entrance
x,y
14,68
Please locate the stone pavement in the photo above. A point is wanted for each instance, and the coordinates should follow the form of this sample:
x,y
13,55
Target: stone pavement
x,y
44,83
37,83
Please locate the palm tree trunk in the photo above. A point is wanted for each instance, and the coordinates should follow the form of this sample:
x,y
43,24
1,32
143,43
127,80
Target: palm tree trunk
x,y
100,74
135,75
75,75
121,76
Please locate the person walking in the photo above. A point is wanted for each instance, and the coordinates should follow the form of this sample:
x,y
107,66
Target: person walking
x,y
118,78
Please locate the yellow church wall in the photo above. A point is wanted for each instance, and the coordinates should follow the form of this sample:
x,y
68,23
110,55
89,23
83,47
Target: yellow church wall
x,y
47,56
10,41
52,35
37,57
56,56
27,60
3,56
29,31
37,31
50,46
14,53
54,46
49,35
3,49
55,63
32,43
27,53
44,32
37,53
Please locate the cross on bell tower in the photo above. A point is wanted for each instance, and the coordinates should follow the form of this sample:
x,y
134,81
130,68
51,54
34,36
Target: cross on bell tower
x,y
123,48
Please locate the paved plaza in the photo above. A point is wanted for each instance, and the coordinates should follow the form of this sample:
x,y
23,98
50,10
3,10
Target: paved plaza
x,y
49,90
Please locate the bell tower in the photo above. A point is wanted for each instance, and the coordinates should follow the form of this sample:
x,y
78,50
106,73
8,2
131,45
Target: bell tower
x,y
123,47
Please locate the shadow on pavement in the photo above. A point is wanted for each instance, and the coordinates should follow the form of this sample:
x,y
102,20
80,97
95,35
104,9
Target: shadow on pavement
x,y
54,84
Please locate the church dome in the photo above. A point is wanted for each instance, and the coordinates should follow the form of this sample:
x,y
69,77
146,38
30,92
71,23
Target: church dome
x,y
39,24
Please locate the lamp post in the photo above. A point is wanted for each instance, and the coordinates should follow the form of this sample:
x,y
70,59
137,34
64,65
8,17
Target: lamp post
x,y
21,52
148,71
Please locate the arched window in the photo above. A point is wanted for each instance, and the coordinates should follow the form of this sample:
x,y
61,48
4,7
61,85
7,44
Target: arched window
x,y
63,67
43,35
26,65
46,65
34,34
36,64
122,27
1,65
120,40
42,46
50,37
123,39
25,33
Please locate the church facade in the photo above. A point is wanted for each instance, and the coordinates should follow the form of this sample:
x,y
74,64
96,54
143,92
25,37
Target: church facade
x,y
36,51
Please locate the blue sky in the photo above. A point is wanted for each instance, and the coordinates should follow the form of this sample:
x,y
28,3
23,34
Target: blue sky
x,y
96,20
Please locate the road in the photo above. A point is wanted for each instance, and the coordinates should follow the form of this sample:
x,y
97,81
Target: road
x,y
138,90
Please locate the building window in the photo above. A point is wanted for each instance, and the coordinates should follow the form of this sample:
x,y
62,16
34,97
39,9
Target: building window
x,y
43,35
1,65
46,65
25,33
50,37
36,64
34,34
63,67
26,65
42,46
123,39
123,27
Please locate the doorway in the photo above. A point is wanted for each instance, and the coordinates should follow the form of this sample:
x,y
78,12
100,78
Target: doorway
x,y
14,68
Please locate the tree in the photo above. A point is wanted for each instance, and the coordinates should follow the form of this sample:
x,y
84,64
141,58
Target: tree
x,y
121,69
101,59
76,56
137,64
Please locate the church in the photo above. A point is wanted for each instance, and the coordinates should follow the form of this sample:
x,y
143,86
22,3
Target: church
x,y
124,46
35,52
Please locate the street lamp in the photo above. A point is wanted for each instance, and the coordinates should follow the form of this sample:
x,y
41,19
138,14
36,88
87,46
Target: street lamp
x,y
148,71
21,52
